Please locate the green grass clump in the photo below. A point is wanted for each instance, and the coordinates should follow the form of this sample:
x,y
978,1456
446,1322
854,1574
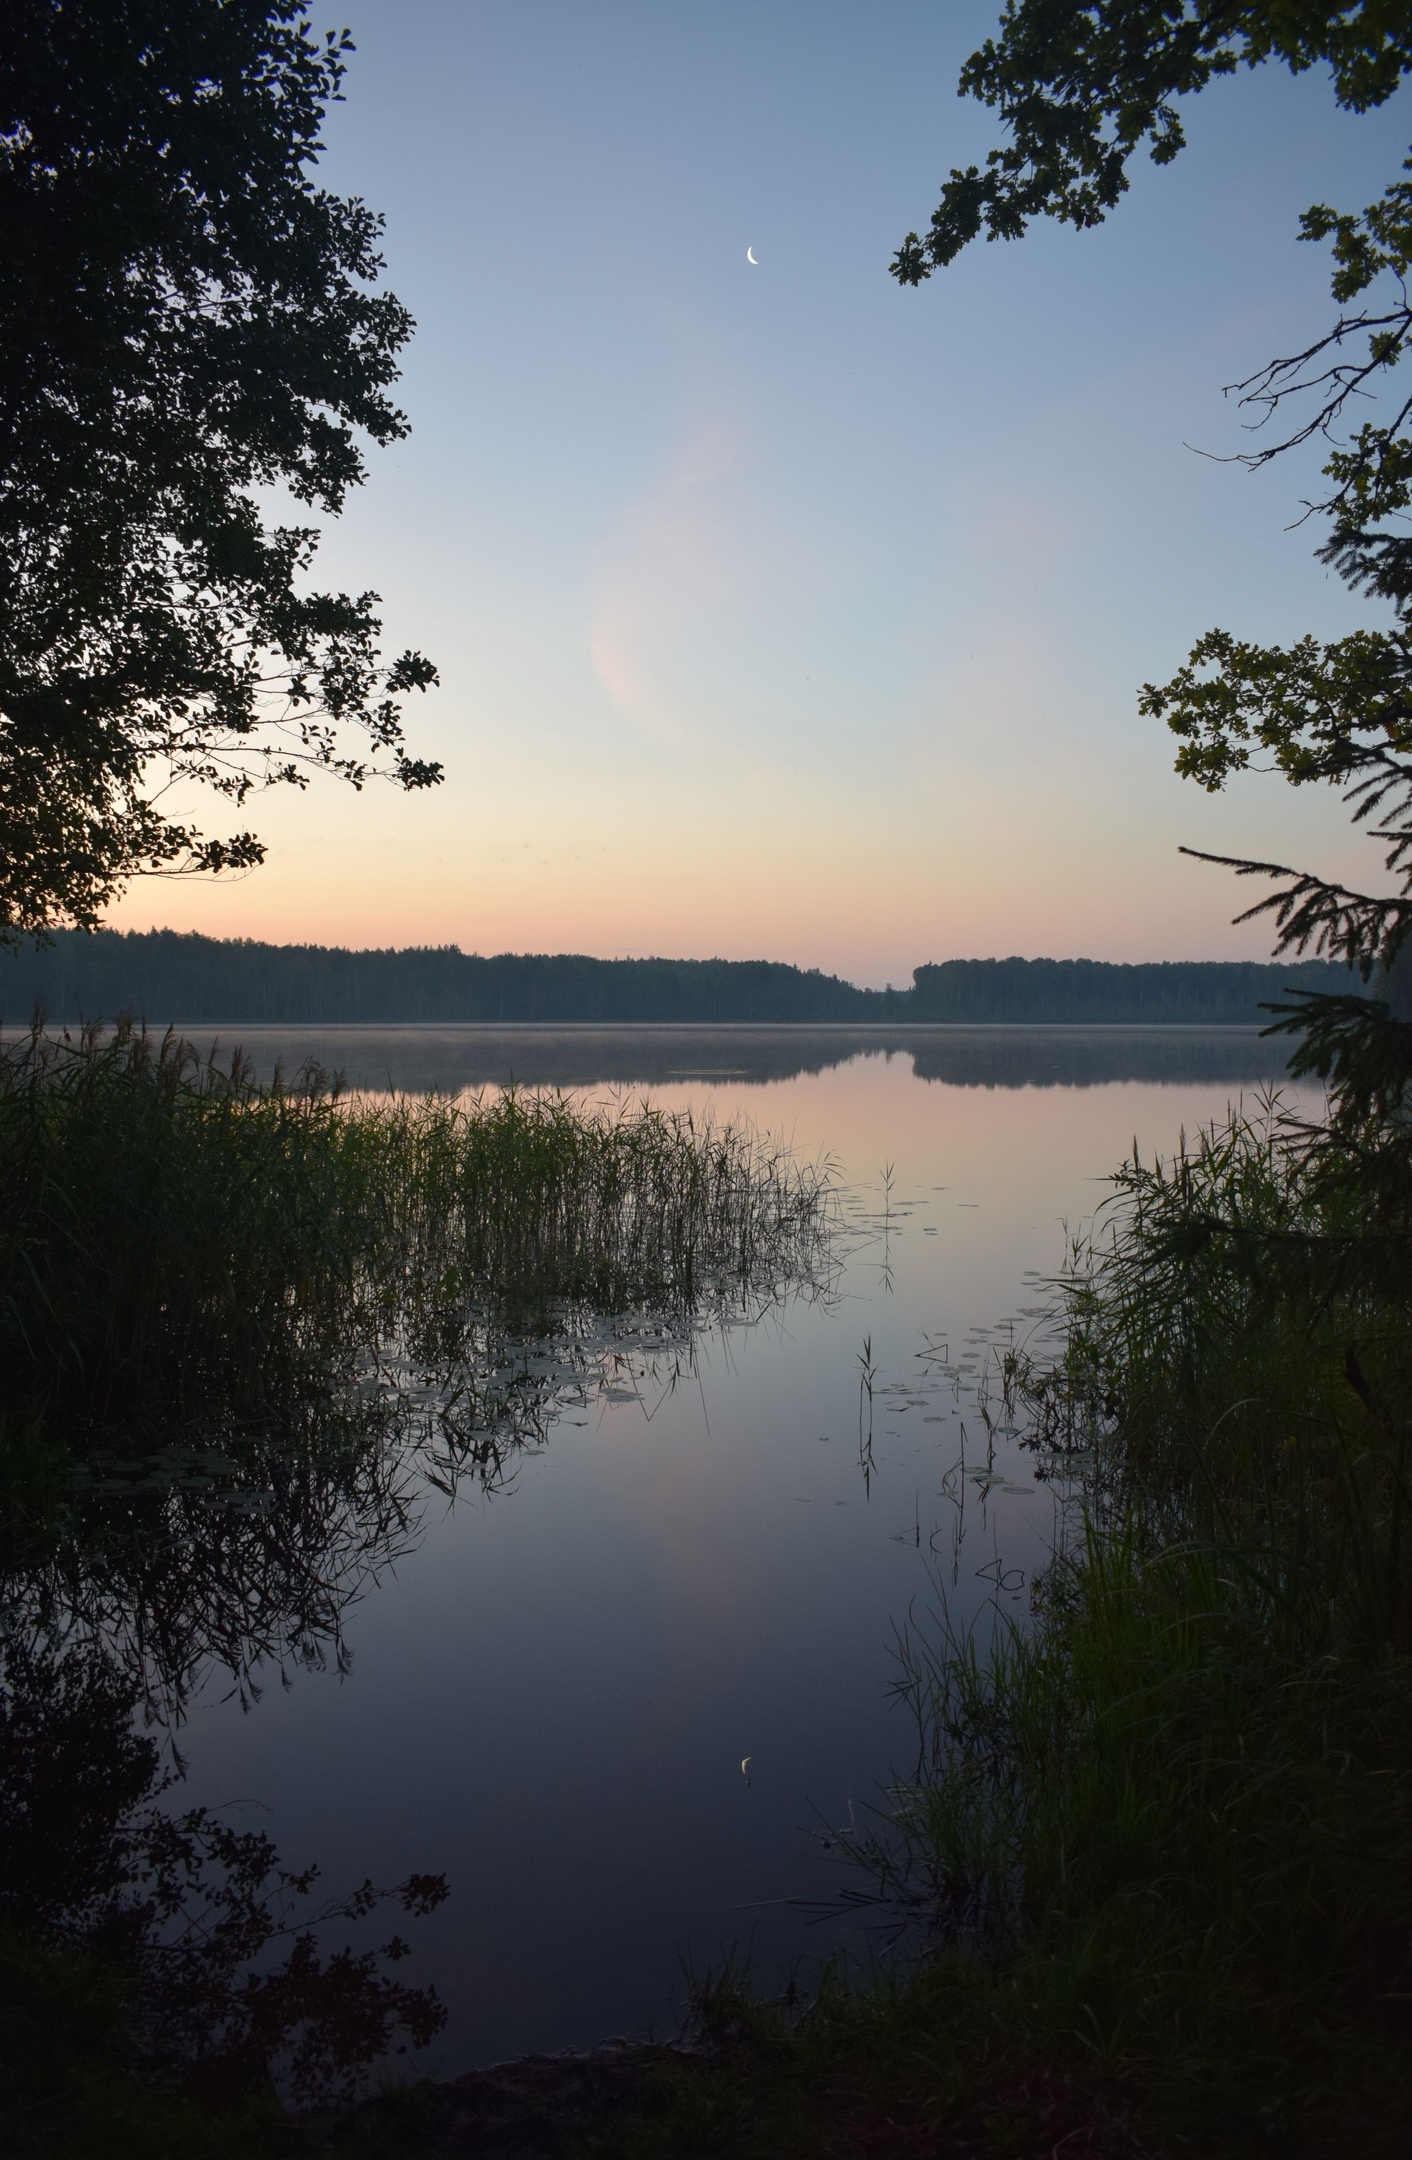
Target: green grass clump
x,y
167,1229
172,1233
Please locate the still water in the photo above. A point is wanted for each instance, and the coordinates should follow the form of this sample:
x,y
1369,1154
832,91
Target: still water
x,y
550,1691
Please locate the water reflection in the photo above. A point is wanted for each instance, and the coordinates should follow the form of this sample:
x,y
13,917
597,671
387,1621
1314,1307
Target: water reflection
x,y
416,1059
194,1545
192,1912
546,1620
233,1557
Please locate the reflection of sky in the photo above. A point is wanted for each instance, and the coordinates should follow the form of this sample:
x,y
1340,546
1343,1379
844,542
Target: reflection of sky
x,y
551,1697
780,611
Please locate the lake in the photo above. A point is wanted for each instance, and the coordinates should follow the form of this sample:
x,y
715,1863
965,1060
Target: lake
x,y
616,1694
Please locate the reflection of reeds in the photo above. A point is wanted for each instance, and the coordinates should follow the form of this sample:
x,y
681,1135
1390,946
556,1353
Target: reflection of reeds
x,y
867,1374
243,1332
245,1329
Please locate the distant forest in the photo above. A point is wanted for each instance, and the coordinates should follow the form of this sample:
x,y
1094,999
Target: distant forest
x,y
1216,992
166,975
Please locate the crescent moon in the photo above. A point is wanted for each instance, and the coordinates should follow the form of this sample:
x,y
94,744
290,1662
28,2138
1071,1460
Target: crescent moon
x,y
750,256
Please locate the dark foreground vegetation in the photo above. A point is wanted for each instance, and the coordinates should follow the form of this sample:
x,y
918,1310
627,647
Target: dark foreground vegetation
x,y
1149,1885
1144,1887
245,1331
186,979
175,1235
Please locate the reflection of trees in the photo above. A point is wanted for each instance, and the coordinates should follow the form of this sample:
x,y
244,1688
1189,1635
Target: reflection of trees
x,y
257,1334
237,1552
241,1552
1000,1057
970,1053
191,1912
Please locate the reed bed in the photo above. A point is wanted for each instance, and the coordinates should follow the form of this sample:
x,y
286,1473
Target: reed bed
x,y
1168,1820
172,1233
248,1331
541,1201
1235,1375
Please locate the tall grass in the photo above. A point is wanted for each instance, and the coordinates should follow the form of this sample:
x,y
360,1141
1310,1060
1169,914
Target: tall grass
x,y
1171,1815
244,1329
172,1233
167,1229
1237,1368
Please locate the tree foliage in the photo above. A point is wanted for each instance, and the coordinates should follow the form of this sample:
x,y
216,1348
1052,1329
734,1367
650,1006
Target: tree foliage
x,y
1081,86
186,321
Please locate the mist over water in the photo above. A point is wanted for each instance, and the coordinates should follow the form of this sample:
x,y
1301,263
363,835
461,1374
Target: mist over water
x,y
449,1058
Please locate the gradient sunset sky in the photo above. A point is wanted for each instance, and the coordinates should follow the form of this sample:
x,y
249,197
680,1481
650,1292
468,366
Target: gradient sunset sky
x,y
781,612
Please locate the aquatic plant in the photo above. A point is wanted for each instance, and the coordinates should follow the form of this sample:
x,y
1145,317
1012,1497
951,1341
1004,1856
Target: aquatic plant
x,y
248,1329
245,1331
171,1233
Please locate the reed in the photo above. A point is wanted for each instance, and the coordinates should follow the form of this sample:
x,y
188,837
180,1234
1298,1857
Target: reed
x,y
1236,1373
172,1234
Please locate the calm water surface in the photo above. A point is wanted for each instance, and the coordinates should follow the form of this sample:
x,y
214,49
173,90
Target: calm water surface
x,y
549,1695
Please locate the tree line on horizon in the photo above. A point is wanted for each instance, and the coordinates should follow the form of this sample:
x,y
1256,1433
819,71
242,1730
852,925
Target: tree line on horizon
x,y
167,976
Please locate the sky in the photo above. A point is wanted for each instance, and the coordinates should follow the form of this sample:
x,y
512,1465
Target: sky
x,y
781,612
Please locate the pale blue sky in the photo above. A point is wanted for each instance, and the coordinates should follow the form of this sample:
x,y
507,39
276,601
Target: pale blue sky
x,y
781,611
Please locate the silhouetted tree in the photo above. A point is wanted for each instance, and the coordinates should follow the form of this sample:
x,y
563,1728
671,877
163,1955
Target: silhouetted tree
x,y
185,319
1080,88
